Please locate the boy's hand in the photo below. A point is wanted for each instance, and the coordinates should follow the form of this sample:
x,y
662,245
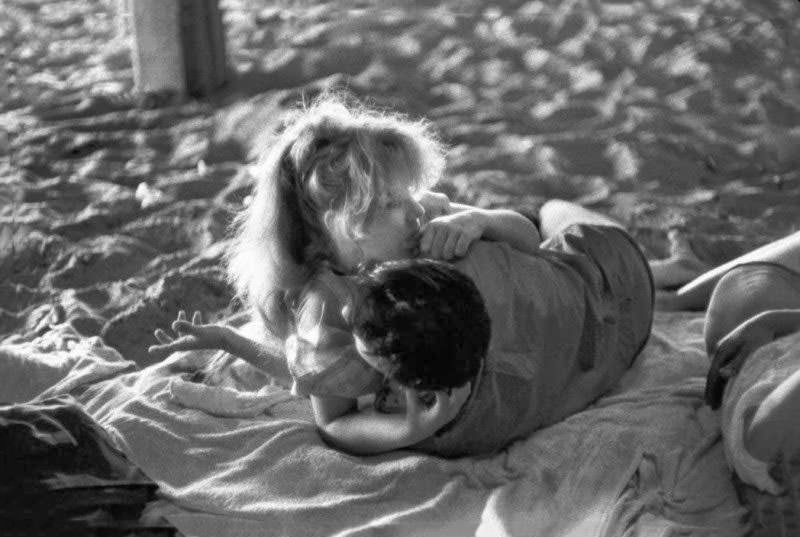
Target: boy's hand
x,y
731,352
424,422
434,203
191,336
450,236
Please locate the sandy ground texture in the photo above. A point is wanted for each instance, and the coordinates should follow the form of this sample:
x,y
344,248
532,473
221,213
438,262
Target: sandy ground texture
x,y
663,113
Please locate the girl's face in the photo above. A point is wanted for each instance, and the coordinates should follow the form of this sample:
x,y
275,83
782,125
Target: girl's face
x,y
391,233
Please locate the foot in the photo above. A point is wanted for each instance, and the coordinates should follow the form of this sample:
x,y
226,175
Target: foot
x,y
682,265
775,428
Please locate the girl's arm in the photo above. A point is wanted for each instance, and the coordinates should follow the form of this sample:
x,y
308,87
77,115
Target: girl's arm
x,y
370,432
454,226
506,225
195,335
269,360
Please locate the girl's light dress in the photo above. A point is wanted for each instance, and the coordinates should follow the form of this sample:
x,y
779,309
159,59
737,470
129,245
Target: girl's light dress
x,y
566,323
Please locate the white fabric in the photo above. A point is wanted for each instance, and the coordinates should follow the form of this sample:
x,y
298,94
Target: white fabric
x,y
227,402
747,467
645,460
761,373
54,363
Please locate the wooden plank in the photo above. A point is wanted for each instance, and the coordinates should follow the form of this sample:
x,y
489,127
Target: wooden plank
x,y
157,50
216,33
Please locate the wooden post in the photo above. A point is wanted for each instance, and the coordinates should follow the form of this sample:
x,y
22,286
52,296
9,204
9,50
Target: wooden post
x,y
203,38
157,49
179,46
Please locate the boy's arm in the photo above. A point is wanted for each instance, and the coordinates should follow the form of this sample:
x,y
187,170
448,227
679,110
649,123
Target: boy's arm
x,y
370,432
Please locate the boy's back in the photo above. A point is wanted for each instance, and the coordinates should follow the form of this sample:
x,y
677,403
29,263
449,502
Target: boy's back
x,y
561,334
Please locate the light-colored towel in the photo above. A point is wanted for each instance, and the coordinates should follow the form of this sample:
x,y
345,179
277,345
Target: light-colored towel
x,y
228,402
646,459
58,361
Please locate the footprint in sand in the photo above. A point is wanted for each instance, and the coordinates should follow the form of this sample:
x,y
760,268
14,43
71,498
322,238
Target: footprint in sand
x,y
106,258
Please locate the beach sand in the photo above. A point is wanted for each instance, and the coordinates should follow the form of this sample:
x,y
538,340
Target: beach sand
x,y
662,113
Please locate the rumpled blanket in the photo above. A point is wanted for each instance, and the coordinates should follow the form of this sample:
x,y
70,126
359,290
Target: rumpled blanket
x,y
646,459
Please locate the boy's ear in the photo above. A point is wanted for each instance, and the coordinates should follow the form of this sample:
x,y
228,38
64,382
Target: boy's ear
x,y
364,268
352,303
347,312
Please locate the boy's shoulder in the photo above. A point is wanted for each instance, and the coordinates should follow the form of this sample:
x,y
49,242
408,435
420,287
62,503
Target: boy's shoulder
x,y
487,255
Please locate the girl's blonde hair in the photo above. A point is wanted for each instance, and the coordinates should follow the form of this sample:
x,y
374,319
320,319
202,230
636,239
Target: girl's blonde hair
x,y
326,170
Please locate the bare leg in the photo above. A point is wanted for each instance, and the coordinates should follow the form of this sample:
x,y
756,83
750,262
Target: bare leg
x,y
555,215
682,265
695,294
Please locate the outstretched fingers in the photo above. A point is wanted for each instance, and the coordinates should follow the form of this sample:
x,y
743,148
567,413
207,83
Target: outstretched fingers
x,y
183,343
162,336
185,330
183,326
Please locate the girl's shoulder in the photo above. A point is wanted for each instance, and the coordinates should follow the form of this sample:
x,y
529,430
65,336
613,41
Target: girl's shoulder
x,y
326,285
321,354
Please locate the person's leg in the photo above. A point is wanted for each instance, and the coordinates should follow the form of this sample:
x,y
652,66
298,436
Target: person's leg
x,y
555,215
682,265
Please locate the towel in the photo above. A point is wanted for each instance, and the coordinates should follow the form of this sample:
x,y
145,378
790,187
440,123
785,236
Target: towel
x,y
229,402
647,458
57,362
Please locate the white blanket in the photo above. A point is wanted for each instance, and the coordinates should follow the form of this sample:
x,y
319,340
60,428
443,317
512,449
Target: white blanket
x,y
646,459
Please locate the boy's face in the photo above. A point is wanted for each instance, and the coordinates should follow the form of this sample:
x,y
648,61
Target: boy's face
x,y
382,365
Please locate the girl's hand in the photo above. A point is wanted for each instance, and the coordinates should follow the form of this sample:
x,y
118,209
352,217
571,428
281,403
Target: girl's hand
x,y
450,236
424,422
434,203
191,336
730,353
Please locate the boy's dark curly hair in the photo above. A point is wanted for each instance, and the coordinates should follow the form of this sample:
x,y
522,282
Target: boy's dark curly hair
x,y
426,319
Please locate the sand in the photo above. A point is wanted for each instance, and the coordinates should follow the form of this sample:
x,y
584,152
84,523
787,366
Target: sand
x,y
662,113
